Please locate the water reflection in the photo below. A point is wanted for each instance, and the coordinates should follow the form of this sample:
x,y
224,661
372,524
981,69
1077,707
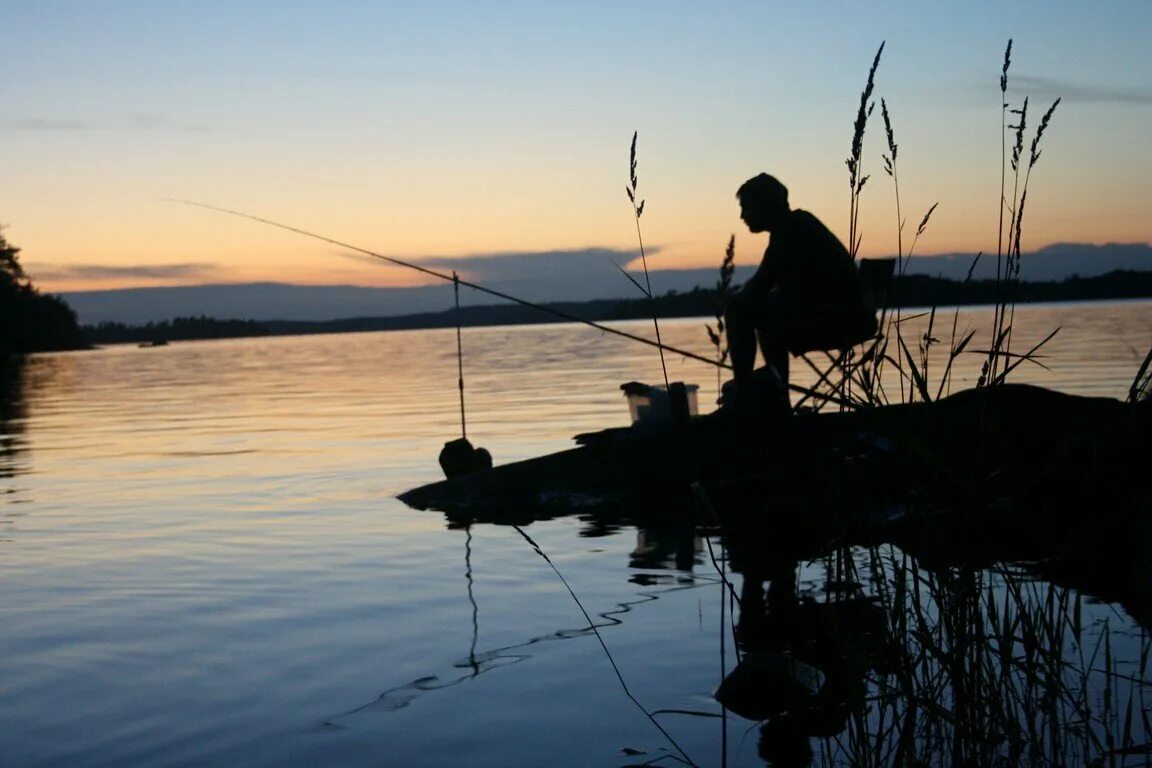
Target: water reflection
x,y
957,634
12,418
658,548
966,635
666,547
805,665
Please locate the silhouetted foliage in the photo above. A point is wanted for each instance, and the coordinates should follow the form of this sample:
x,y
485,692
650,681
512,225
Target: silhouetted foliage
x,y
29,320
177,329
10,269
924,291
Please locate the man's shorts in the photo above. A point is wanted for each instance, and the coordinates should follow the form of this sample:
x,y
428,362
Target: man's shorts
x,y
804,326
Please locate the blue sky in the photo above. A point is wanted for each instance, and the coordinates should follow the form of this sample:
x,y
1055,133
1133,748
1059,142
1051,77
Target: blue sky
x,y
449,128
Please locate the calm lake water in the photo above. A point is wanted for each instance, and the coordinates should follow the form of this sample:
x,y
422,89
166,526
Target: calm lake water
x,y
202,561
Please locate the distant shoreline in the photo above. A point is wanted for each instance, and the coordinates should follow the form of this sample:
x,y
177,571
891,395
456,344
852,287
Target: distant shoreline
x,y
908,292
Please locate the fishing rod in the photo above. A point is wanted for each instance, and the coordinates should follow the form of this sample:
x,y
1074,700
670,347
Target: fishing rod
x,y
454,279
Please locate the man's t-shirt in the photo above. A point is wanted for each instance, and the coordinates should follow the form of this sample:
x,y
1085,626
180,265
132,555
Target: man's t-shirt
x,y
811,292
810,264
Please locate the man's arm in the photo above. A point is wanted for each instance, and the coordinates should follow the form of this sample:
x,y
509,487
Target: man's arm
x,y
767,275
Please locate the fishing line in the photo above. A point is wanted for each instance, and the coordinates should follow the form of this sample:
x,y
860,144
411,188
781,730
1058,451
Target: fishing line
x,y
608,653
459,356
444,276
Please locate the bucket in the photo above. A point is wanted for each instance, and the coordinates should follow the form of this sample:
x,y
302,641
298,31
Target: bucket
x,y
652,406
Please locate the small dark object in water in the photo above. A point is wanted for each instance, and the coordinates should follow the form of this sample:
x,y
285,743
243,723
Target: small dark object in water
x,y
459,458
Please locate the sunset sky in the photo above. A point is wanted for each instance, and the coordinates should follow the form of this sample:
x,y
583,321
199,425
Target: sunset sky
x,y
450,129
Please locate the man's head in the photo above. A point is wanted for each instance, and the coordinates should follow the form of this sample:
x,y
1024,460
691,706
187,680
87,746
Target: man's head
x,y
763,202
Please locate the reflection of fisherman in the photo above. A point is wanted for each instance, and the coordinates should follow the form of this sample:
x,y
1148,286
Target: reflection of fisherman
x,y
805,663
804,296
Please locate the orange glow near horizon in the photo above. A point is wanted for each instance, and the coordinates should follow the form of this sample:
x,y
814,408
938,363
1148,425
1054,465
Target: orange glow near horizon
x,y
242,252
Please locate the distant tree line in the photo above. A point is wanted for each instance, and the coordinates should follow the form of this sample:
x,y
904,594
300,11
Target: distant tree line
x,y
906,291
31,321
177,329
925,291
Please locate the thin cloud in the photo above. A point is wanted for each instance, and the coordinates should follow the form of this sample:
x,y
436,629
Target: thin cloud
x,y
45,124
517,265
1052,88
159,122
136,122
107,272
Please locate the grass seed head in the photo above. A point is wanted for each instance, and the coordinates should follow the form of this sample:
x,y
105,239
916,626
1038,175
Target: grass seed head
x,y
723,290
1016,234
862,114
633,180
924,223
888,129
1018,147
1035,153
1004,71
972,267
632,162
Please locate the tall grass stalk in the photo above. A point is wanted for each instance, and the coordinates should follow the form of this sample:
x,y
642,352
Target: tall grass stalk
x,y
723,291
1033,157
860,380
989,365
1008,246
856,181
1141,388
895,323
638,210
891,169
856,177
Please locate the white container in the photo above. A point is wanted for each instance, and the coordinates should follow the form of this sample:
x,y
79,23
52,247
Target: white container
x,y
649,405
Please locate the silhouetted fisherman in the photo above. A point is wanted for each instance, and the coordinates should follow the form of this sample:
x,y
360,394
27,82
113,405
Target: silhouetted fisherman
x,y
804,296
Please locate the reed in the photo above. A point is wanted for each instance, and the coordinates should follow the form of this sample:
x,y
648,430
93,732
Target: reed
x,y
873,385
638,211
991,667
989,363
717,335
1141,388
856,177
843,373
999,359
860,379
1033,157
